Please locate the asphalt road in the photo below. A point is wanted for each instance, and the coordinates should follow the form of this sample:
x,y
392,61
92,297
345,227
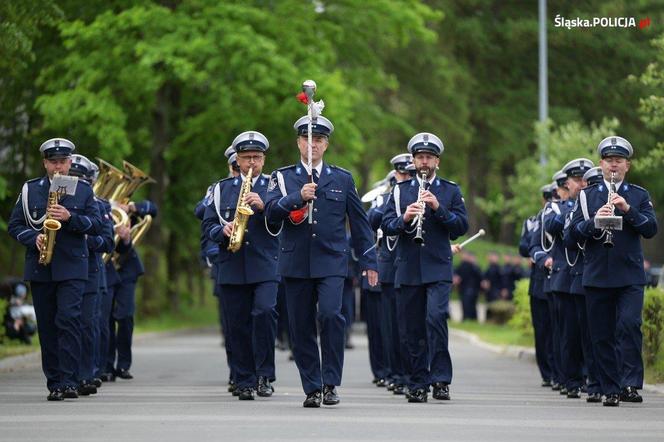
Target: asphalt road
x,y
179,394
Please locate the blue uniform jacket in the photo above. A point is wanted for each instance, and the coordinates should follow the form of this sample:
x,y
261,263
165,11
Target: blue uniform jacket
x,y
621,265
70,254
319,249
209,249
554,223
538,274
256,261
431,262
97,246
130,266
386,257
110,272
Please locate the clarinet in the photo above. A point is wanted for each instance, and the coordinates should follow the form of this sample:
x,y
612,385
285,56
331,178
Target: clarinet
x,y
608,233
420,218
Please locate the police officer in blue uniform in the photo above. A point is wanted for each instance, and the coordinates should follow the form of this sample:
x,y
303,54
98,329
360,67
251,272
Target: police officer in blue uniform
x,y
613,274
424,270
313,256
130,268
539,307
82,168
592,176
57,288
571,356
248,278
395,332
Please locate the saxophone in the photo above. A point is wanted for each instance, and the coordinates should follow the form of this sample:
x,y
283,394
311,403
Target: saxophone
x,y
50,228
242,214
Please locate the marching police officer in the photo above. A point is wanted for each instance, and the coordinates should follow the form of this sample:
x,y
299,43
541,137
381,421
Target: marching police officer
x,y
97,245
387,251
57,287
539,306
248,278
130,268
424,269
613,275
313,256
571,356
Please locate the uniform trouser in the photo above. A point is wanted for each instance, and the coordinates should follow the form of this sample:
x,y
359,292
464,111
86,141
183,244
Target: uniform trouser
x,y
426,327
100,325
614,322
469,303
377,357
539,312
348,304
592,381
105,321
58,311
282,312
571,353
223,319
252,325
89,336
392,344
302,296
557,375
401,313
123,317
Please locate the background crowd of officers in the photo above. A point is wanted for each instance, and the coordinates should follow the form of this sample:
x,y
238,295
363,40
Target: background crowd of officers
x,y
587,282
84,305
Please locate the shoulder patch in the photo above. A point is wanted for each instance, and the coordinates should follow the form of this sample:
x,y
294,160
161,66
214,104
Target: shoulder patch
x,y
341,169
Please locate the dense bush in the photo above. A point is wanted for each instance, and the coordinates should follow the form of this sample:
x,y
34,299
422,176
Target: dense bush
x,y
521,318
653,325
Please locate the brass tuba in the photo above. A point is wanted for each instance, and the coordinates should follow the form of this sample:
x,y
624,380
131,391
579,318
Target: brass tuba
x,y
242,214
118,186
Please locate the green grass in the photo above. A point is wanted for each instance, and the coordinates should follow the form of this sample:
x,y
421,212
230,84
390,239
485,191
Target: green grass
x,y
189,317
15,348
495,334
655,374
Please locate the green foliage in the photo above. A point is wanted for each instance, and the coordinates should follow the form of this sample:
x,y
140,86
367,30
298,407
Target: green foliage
x,y
563,144
653,325
3,309
522,320
499,312
504,334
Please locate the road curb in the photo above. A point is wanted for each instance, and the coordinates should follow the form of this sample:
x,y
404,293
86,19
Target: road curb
x,y
33,359
525,353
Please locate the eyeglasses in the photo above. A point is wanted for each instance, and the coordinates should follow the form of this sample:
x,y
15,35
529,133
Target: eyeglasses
x,y
254,158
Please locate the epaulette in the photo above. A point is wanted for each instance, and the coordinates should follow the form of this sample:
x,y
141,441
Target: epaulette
x,y
84,182
286,167
266,176
637,186
404,181
449,182
226,179
34,180
341,169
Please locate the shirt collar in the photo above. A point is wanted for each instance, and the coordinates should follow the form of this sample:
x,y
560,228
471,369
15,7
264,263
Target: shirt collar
x,y
608,185
253,180
318,168
430,180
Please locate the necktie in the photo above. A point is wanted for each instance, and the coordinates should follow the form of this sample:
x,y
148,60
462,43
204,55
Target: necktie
x,y
315,174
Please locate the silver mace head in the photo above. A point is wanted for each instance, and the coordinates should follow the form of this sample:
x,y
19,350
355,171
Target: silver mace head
x,y
309,88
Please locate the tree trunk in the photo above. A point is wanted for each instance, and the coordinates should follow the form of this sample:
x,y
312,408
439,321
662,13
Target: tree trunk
x,y
476,188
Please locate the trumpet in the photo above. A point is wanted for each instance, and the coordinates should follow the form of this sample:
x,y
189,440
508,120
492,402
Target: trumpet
x,y
419,239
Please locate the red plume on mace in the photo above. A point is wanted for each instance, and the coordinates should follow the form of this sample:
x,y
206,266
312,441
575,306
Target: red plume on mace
x,y
302,98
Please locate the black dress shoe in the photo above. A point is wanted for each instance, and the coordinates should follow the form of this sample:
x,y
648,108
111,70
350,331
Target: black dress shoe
x,y
611,400
96,382
419,395
584,388
399,389
70,393
390,386
55,395
231,386
629,394
264,388
563,391
555,386
87,389
381,383
595,398
375,381
441,391
246,394
313,400
107,377
546,383
573,393
123,373
330,396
